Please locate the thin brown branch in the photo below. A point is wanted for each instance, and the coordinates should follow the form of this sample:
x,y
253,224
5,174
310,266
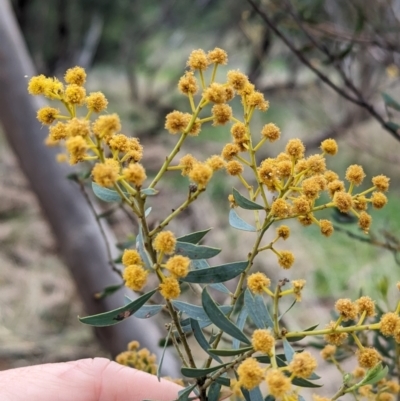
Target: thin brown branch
x,y
359,99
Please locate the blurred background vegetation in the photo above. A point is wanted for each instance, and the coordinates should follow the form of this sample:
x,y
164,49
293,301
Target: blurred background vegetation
x,y
324,79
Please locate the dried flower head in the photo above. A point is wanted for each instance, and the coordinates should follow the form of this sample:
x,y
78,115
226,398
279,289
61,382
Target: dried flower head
x,y
135,277
355,174
335,338
131,257
301,205
347,309
201,174
330,176
221,113
187,162
47,115
381,182
105,174
302,365
343,201
165,242
358,372
367,305
188,84
295,148
298,285
389,322
77,126
76,75
218,56
311,188
286,259
169,288
216,162
178,265
106,126
96,101
257,282
365,221
263,341
360,203
368,357
280,208
271,132
316,164
335,186
198,60
75,94
77,148
283,232
234,167
215,93
328,351
237,79
256,99
278,383
329,146
326,227
378,200
176,122
250,373
135,173
229,151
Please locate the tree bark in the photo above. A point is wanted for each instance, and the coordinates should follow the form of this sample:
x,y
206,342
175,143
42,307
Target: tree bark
x,y
74,226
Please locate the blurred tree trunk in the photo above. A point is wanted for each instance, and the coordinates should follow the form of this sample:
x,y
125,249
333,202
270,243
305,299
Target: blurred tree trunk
x,y
69,216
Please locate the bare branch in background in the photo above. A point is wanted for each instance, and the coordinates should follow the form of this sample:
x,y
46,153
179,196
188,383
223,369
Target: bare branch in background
x,y
348,91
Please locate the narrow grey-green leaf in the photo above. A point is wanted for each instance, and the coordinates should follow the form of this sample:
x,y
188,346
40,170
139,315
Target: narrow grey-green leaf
x,y
257,310
199,336
269,398
253,395
241,320
147,211
193,238
300,398
149,191
105,194
163,353
201,372
225,381
108,291
230,352
287,310
213,392
195,311
184,394
221,288
288,350
193,251
236,222
244,202
142,249
219,319
216,274
117,315
375,374
393,126
304,383
147,311
390,102
187,327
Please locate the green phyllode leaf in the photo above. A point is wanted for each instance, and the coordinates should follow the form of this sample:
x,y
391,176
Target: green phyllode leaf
x,y
257,310
163,353
117,315
193,251
216,274
193,238
203,264
213,392
237,222
196,312
184,394
149,191
219,319
230,352
108,291
252,395
245,203
200,338
241,320
147,311
390,102
193,373
299,338
105,194
288,350
142,249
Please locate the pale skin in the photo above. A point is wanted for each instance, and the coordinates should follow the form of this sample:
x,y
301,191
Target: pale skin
x,y
84,380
